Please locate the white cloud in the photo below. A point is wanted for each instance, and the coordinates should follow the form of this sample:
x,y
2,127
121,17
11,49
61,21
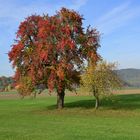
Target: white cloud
x,y
77,4
13,11
117,17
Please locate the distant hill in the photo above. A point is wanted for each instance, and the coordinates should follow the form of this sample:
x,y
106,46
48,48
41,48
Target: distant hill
x,y
130,76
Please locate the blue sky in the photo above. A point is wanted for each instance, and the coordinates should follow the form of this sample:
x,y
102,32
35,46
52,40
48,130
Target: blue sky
x,y
118,21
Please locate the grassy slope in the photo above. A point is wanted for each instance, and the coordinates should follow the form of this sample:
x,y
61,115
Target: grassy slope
x,y
39,120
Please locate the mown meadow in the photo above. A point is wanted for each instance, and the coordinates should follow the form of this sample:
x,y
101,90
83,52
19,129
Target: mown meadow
x,y
117,118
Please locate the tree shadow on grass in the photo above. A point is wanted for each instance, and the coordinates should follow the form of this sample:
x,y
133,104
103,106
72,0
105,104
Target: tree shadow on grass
x,y
87,104
123,102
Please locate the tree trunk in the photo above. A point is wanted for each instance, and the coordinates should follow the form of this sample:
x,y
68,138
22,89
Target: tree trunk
x,y
60,99
96,95
22,97
34,94
96,102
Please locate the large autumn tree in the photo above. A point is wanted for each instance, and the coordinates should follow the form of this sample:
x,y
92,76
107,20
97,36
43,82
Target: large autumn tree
x,y
53,49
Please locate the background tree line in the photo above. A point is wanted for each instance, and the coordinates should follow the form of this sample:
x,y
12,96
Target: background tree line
x,y
6,83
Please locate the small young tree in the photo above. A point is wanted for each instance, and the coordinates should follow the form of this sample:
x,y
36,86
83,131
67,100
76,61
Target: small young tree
x,y
100,79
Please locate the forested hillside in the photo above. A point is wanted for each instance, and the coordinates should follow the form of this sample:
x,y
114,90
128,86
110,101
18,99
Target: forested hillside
x,y
130,76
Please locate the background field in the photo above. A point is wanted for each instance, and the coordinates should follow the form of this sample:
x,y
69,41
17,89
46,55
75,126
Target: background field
x,y
37,119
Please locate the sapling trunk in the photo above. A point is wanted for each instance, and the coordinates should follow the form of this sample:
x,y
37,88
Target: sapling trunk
x,y
96,102
95,93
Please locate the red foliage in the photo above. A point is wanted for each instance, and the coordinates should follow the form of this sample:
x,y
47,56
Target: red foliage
x,y
52,49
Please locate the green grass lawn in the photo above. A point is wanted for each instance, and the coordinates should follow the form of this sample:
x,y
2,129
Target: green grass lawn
x,y
28,119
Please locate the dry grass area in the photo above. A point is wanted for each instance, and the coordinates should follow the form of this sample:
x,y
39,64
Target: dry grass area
x,y
15,95
8,96
127,91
